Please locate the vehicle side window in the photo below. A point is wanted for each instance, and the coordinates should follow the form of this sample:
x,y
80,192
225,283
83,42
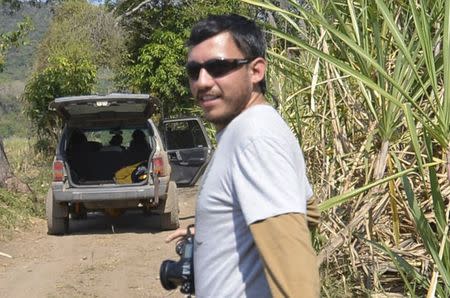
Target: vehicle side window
x,y
197,132
184,135
177,135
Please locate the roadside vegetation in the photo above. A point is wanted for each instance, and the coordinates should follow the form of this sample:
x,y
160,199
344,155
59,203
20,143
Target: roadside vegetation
x,y
82,41
361,83
367,79
17,210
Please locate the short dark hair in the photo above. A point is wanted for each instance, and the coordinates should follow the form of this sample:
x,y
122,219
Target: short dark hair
x,y
248,36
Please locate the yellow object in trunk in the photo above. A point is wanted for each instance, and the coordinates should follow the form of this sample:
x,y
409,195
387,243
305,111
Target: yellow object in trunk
x,y
123,176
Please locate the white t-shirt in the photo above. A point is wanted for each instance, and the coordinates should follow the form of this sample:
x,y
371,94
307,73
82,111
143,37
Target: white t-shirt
x,y
257,172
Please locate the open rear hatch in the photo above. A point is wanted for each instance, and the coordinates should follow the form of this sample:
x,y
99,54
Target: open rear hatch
x,y
92,124
116,106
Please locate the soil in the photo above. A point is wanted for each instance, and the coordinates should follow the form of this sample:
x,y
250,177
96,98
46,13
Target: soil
x,y
101,257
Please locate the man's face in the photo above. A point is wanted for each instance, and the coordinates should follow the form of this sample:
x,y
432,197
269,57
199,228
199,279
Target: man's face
x,y
222,97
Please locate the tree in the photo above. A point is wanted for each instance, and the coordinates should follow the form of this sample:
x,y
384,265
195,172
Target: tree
x,y
157,54
81,40
79,26
7,40
12,38
62,76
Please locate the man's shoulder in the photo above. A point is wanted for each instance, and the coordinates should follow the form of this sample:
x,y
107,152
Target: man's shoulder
x,y
260,122
260,119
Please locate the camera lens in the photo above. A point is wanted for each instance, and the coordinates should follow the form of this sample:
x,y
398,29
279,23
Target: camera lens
x,y
164,274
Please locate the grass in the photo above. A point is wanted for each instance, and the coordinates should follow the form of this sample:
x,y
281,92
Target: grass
x,y
16,209
31,167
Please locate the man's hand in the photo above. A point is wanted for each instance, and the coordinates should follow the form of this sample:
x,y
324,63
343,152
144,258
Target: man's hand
x,y
179,234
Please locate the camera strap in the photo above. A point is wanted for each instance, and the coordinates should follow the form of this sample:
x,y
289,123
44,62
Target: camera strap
x,y
189,233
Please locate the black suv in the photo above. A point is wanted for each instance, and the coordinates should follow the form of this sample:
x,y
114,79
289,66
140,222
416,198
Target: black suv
x,y
111,157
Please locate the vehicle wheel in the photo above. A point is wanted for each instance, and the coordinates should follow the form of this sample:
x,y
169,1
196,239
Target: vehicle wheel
x,y
57,216
170,220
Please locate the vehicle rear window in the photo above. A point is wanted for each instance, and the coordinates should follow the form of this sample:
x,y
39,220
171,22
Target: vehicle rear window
x,y
104,138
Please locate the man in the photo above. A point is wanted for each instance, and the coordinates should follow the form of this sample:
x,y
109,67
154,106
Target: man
x,y
251,234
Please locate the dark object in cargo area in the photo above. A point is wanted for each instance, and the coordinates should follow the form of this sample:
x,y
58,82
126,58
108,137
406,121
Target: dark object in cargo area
x,y
89,162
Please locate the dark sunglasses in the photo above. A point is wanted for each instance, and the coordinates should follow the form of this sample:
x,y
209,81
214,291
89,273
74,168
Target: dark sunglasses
x,y
215,67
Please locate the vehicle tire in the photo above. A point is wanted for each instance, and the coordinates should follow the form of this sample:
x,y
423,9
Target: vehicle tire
x,y
57,216
170,220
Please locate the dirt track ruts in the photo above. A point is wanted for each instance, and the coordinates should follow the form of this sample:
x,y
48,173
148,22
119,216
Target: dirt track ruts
x,y
101,257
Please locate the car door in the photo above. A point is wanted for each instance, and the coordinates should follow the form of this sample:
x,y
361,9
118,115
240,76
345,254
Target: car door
x,y
188,147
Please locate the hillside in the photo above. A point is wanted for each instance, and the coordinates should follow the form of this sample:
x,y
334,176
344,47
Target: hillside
x,y
19,63
20,60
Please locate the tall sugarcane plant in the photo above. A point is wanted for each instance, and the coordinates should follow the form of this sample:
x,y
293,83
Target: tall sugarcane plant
x,y
364,84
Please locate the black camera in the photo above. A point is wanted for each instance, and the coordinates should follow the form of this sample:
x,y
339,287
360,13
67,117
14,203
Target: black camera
x,y
173,274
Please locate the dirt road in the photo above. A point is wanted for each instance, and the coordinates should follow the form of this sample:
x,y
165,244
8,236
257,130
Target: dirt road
x,y
102,257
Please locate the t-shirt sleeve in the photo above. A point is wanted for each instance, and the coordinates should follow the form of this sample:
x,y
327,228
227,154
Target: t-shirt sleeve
x,y
269,180
290,263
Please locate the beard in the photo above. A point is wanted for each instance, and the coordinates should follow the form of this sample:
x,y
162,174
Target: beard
x,y
232,110
230,105
221,121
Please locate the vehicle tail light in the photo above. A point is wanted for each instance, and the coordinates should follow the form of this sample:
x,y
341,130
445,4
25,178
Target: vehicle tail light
x,y
158,166
58,170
